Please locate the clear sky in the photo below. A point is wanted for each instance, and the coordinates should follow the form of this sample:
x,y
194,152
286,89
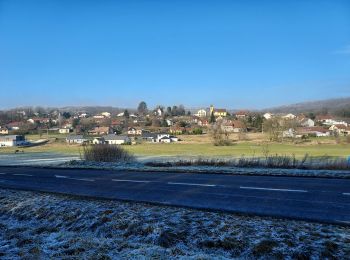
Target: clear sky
x,y
234,54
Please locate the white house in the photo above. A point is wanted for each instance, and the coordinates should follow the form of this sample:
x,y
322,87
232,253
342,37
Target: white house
x,y
31,120
116,139
98,116
64,130
268,116
290,133
159,137
340,129
307,122
12,140
83,115
106,114
169,122
289,116
134,131
201,113
76,139
158,112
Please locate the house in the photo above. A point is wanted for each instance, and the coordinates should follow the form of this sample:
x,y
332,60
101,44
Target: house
x,y
169,122
268,116
290,133
83,115
202,122
159,137
307,122
235,126
340,129
317,131
147,136
168,139
242,114
14,125
134,131
4,131
100,130
324,118
31,121
120,114
116,139
64,130
289,116
98,140
201,113
329,120
76,139
219,112
158,112
98,117
106,114
12,140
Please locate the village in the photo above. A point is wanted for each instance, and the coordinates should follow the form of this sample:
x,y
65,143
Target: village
x,y
160,125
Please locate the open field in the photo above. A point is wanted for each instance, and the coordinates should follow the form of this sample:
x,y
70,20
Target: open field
x,y
200,145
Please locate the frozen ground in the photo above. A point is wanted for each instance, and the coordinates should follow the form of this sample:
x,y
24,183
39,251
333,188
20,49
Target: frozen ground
x,y
46,226
140,166
35,158
69,161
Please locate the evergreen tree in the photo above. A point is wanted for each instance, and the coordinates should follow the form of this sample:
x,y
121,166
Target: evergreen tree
x,y
126,113
212,118
142,108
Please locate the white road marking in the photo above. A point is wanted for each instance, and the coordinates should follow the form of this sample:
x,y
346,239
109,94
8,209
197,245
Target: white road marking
x,y
69,178
77,179
3,173
346,194
191,184
22,174
270,189
61,176
131,181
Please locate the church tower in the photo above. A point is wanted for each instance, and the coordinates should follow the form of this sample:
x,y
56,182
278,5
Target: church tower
x,y
211,109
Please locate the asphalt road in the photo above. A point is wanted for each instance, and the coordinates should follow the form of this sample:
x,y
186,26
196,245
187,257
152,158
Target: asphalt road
x,y
317,199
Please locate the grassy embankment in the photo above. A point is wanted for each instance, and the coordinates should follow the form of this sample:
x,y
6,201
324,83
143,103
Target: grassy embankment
x,y
253,145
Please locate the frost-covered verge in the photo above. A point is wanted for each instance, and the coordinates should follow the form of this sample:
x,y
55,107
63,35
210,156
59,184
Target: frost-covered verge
x,y
45,226
141,166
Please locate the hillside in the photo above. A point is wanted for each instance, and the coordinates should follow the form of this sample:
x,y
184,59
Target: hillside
x,y
337,106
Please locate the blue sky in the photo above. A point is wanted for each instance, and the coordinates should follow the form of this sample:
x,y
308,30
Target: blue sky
x,y
234,54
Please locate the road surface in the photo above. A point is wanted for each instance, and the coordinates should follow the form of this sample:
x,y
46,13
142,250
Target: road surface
x,y
317,199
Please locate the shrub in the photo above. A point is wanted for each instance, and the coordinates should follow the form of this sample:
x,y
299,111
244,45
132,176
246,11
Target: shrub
x,y
220,136
106,153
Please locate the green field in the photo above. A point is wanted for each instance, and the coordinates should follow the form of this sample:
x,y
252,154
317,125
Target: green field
x,y
204,149
247,149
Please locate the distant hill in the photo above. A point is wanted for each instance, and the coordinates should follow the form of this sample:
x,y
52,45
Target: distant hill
x,y
336,106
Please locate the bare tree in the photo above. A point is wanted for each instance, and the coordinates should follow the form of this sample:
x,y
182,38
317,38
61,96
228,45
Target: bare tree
x,y
220,136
